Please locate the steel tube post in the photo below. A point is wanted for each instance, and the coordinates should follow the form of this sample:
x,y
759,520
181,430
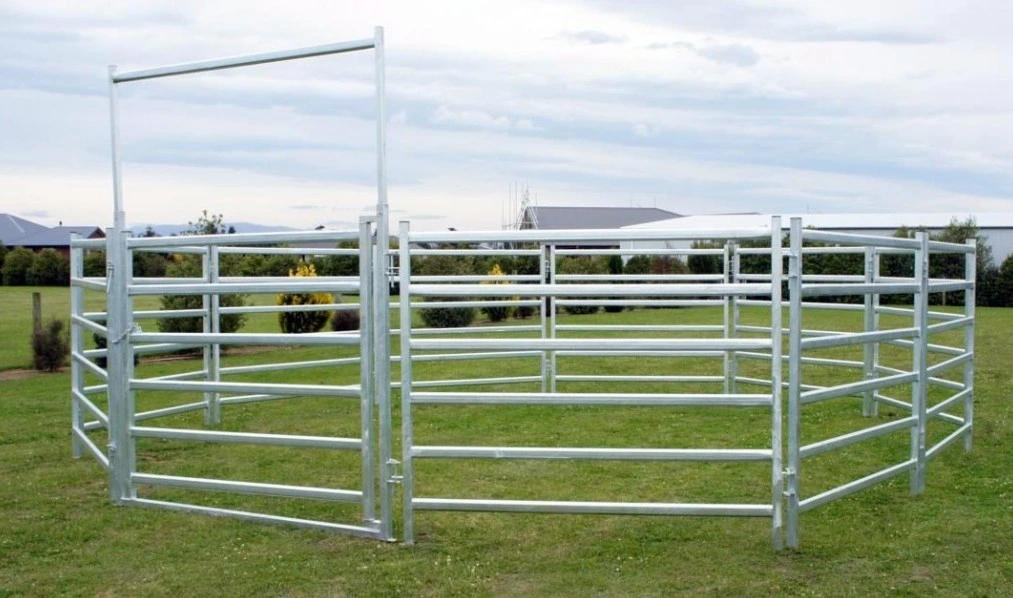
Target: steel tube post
x,y
543,315
382,272
552,317
736,316
407,436
76,348
120,416
919,388
971,275
776,367
793,472
868,357
367,386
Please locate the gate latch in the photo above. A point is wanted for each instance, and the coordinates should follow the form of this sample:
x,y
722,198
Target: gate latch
x,y
395,471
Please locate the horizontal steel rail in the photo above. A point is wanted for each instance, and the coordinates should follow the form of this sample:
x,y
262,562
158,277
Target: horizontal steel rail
x,y
88,243
476,304
950,286
92,448
953,419
156,348
167,411
352,530
441,357
932,347
950,363
151,314
473,330
613,344
89,325
92,284
469,381
242,288
666,353
770,383
601,508
192,375
90,407
584,235
641,328
858,338
602,399
954,324
845,363
479,278
852,388
250,398
641,251
247,60
288,365
837,442
272,309
945,442
947,403
596,454
290,440
475,252
634,378
589,290
646,302
618,278
257,488
310,390
288,250
90,366
859,240
805,305
852,487
240,338
831,290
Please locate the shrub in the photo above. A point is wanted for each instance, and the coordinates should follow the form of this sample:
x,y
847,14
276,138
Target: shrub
x,y
447,317
95,263
526,264
339,265
3,254
344,320
497,313
50,269
582,264
17,265
49,346
302,322
189,267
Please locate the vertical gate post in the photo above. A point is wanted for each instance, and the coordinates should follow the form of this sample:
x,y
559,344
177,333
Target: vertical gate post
x,y
76,347
970,298
793,472
367,370
120,368
407,436
543,315
732,357
869,407
776,368
919,388
551,307
211,324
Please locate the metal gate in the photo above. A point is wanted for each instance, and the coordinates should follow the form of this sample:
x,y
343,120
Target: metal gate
x,y
124,330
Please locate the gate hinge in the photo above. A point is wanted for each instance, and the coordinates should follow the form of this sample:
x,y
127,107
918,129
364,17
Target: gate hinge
x,y
395,476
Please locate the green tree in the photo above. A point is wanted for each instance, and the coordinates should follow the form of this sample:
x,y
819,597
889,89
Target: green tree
x,y
3,254
17,265
706,264
581,264
50,269
95,263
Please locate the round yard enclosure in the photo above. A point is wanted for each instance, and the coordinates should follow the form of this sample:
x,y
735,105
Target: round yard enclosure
x,y
703,396
700,392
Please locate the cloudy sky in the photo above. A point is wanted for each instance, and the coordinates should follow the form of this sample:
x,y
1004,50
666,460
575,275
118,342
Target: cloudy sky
x,y
695,106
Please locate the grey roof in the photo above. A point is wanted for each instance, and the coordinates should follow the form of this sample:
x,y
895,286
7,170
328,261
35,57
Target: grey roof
x,y
580,217
58,236
13,228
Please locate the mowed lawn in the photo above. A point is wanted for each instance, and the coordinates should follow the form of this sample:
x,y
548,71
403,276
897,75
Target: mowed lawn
x,y
61,535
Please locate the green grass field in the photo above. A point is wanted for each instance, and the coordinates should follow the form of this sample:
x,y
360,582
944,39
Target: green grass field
x,y
61,535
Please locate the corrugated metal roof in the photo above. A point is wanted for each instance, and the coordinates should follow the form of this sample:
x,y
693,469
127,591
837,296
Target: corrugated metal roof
x,y
576,217
58,236
886,222
13,228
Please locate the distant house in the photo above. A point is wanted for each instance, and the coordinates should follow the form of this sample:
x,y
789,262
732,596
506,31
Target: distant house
x,y
584,217
18,232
